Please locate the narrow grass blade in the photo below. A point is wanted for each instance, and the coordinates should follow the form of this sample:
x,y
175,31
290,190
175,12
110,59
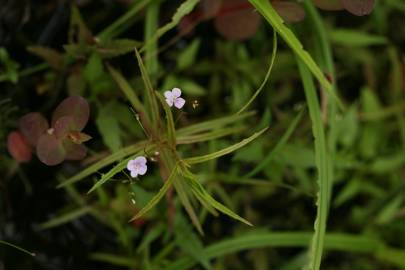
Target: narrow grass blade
x,y
266,78
280,144
211,135
230,149
150,93
116,169
123,22
129,150
17,248
127,90
340,242
65,218
185,8
171,132
208,199
213,124
321,160
113,259
158,195
268,12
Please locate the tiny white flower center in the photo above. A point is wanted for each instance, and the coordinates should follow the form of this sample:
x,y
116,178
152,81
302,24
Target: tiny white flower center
x,y
50,131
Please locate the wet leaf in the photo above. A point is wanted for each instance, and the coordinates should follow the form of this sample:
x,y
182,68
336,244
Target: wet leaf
x,y
359,7
237,20
329,4
18,147
76,107
50,150
32,126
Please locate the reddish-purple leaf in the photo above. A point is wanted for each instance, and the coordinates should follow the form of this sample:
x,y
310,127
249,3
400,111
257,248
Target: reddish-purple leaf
x,y
209,8
18,147
329,4
50,150
76,107
237,20
33,125
289,11
74,151
63,126
359,7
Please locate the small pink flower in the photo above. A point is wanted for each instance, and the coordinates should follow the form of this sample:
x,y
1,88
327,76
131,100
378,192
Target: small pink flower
x,y
173,98
137,166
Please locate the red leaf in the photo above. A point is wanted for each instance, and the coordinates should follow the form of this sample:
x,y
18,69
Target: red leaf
x,y
329,4
237,20
63,126
50,150
33,125
74,151
359,7
209,8
18,147
76,107
289,11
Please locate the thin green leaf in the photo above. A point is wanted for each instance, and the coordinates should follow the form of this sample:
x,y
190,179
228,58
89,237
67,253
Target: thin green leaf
x,y
268,12
171,132
122,153
321,160
230,149
150,93
266,78
65,218
185,8
158,196
280,144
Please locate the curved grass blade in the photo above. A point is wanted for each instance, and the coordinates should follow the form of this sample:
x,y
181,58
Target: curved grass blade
x,y
266,78
322,161
65,218
280,144
158,195
268,12
117,168
340,242
171,132
185,8
17,248
213,124
230,149
129,150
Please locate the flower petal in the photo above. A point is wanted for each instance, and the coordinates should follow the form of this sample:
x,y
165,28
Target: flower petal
x,y
130,165
134,174
169,102
168,95
142,169
140,160
176,92
179,102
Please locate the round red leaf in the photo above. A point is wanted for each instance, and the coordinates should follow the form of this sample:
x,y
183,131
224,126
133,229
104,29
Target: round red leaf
x,y
289,11
329,4
33,125
237,20
63,126
74,151
77,108
50,150
359,7
18,147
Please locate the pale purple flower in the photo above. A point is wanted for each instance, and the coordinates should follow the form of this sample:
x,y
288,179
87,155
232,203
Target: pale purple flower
x,y
173,98
137,166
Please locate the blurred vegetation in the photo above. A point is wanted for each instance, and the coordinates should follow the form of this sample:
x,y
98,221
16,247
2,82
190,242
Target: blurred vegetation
x,y
323,184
